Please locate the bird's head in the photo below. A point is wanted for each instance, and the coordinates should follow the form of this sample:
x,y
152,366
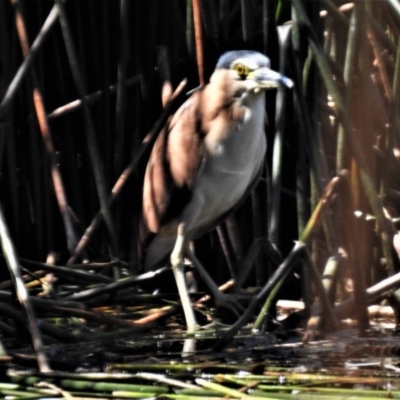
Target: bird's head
x,y
252,70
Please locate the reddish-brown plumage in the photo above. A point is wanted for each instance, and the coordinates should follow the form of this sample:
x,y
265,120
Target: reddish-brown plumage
x,y
178,151
172,168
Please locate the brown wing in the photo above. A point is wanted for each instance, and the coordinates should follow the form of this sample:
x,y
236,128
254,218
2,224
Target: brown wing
x,y
172,168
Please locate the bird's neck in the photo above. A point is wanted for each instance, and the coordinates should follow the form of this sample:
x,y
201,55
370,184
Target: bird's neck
x,y
225,95
233,121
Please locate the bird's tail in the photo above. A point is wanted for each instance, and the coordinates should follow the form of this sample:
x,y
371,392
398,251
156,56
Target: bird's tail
x,y
157,251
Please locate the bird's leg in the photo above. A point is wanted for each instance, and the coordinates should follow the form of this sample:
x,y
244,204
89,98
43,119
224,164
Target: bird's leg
x,y
177,256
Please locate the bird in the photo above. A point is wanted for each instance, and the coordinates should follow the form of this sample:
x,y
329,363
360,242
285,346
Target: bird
x,y
203,164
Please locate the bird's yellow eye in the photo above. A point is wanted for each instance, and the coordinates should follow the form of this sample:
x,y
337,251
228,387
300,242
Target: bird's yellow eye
x,y
242,70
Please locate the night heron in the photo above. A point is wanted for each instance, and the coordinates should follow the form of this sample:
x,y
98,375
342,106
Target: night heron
x,y
205,162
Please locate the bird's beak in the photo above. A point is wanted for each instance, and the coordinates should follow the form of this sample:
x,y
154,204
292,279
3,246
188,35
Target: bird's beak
x,y
265,78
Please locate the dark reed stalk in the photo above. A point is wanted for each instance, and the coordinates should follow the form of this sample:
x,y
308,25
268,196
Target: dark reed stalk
x,y
276,189
248,262
394,116
36,154
305,131
11,156
335,12
46,133
330,275
257,233
223,19
163,63
189,28
380,62
198,40
28,60
176,14
304,73
140,95
365,176
46,328
396,78
223,240
5,54
352,195
327,317
29,277
313,224
120,135
90,98
309,144
148,141
93,265
266,23
120,110
58,184
232,230
42,303
95,317
245,5
107,89
281,272
362,124
97,164
89,294
71,162
359,263
347,308
22,294
209,10
219,298
3,353
75,275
